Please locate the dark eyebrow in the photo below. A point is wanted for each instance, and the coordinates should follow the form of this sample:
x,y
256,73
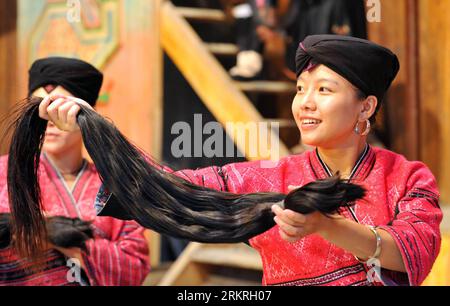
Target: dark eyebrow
x,y
328,80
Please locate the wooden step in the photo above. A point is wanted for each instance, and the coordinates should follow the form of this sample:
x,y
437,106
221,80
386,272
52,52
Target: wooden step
x,y
222,49
201,14
267,86
156,274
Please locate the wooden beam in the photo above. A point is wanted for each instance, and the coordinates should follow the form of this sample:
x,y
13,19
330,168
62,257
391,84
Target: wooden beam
x,y
222,49
157,84
156,122
201,14
267,86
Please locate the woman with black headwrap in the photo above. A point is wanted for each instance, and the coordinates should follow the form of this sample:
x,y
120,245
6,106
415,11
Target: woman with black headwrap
x,y
108,251
391,236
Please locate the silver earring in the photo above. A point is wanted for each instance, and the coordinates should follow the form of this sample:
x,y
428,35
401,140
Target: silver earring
x,y
366,131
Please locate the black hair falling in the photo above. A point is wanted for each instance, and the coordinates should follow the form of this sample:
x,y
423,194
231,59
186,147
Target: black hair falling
x,y
62,231
156,199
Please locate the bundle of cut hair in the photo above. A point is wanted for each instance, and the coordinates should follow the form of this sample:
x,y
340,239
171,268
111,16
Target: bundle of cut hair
x,y
62,231
142,191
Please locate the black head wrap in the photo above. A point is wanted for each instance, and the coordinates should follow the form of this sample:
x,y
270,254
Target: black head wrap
x,y
76,76
368,66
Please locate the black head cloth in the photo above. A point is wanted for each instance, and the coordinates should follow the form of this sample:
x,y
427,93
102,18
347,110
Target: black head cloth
x,y
76,76
368,66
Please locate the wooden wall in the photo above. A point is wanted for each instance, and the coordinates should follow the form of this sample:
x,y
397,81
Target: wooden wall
x,y
394,32
120,37
8,69
434,85
418,104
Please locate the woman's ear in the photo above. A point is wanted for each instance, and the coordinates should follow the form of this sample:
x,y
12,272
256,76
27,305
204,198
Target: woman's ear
x,y
369,106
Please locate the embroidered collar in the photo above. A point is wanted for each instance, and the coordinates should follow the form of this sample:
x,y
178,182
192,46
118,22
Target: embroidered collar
x,y
359,172
61,178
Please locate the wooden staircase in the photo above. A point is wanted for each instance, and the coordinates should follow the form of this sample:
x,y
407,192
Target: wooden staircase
x,y
229,49
198,62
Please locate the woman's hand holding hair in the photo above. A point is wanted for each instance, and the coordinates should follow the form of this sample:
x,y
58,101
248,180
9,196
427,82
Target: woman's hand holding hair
x,y
294,226
62,111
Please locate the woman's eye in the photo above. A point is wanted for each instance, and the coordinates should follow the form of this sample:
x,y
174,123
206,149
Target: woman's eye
x,y
300,89
324,89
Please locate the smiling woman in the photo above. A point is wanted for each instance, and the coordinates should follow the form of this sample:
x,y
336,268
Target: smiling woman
x,y
341,85
328,108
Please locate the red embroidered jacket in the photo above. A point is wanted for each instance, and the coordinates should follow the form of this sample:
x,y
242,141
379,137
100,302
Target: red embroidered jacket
x,y
402,198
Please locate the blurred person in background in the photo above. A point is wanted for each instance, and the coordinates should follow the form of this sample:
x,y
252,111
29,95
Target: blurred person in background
x,y
118,253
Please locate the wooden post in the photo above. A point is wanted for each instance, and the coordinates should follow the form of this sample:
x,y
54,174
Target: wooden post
x,y
8,67
401,105
434,86
153,238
